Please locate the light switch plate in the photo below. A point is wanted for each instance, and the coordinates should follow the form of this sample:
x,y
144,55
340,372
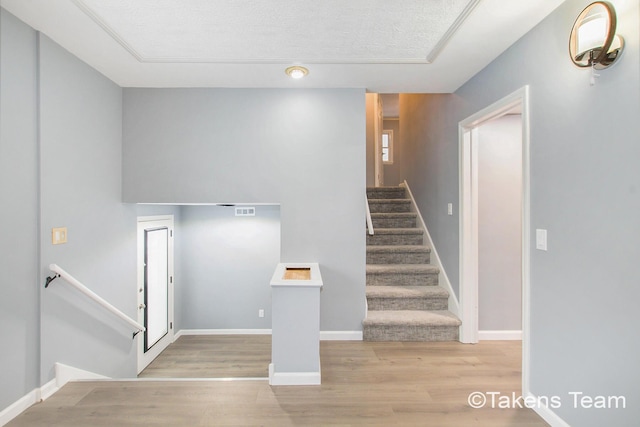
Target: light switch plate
x,y
59,235
450,209
541,239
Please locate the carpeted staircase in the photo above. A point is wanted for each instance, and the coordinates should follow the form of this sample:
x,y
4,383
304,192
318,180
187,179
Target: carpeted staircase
x,y
404,300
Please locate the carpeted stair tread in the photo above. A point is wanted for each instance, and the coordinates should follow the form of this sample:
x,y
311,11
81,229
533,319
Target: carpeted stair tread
x,y
385,192
396,231
406,292
411,318
393,215
389,205
398,248
402,269
389,201
394,219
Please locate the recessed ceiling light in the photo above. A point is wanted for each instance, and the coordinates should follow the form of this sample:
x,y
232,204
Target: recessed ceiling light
x,y
296,72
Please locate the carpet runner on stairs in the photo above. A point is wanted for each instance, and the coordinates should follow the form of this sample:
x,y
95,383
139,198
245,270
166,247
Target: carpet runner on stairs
x,y
404,300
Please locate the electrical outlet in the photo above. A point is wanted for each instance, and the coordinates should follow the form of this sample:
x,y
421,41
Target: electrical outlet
x,y
261,313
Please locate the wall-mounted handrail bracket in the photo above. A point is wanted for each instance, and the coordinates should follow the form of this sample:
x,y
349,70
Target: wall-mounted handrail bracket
x,y
50,279
133,337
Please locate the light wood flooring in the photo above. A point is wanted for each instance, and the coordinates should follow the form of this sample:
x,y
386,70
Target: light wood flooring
x,y
363,384
213,356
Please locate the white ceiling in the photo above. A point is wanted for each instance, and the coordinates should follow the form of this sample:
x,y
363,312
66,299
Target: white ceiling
x,y
382,45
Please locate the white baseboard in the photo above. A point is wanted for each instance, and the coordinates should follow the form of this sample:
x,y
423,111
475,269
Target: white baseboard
x,y
19,406
547,413
340,335
499,335
324,335
182,332
66,373
293,378
47,390
443,279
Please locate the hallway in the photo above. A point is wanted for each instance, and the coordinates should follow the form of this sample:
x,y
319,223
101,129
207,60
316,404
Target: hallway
x,y
363,383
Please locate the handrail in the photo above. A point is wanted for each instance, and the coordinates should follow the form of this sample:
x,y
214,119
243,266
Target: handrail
x,y
88,292
369,220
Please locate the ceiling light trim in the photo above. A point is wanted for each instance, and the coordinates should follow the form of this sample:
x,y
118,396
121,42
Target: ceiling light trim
x,y
439,46
95,18
451,31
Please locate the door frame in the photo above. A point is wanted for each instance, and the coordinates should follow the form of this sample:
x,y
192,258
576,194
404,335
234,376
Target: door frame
x,y
143,222
467,132
378,125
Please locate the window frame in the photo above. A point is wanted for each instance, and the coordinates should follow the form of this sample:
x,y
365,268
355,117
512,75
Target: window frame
x,y
389,133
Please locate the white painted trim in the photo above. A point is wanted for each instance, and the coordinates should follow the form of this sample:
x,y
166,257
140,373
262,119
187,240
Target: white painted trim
x,y
65,373
468,244
451,31
340,335
19,406
47,390
369,220
144,222
293,378
443,279
500,335
222,332
545,412
155,218
324,335
223,380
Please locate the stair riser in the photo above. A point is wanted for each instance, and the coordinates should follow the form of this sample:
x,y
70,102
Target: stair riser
x,y
394,222
395,279
410,333
407,303
394,239
377,207
396,193
398,258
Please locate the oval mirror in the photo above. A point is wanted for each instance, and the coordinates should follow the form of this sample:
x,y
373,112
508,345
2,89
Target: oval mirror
x,y
593,40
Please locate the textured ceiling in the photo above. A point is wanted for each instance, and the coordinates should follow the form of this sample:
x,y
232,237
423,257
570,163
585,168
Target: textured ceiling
x,y
249,31
385,46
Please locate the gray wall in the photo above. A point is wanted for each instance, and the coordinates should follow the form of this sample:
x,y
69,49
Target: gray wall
x,y
19,295
430,160
500,224
228,264
80,142
584,191
303,149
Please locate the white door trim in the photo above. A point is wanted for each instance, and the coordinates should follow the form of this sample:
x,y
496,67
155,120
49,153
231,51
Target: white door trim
x,y
149,222
378,125
469,222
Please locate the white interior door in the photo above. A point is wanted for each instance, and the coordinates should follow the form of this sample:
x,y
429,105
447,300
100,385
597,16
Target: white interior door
x,y
154,287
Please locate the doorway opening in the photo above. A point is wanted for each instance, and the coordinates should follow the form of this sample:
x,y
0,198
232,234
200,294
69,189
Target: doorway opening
x,y
516,104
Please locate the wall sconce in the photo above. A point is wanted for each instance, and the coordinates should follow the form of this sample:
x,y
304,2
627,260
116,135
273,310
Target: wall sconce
x,y
594,42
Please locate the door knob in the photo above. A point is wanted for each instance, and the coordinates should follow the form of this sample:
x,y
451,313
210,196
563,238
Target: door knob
x,y
141,306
